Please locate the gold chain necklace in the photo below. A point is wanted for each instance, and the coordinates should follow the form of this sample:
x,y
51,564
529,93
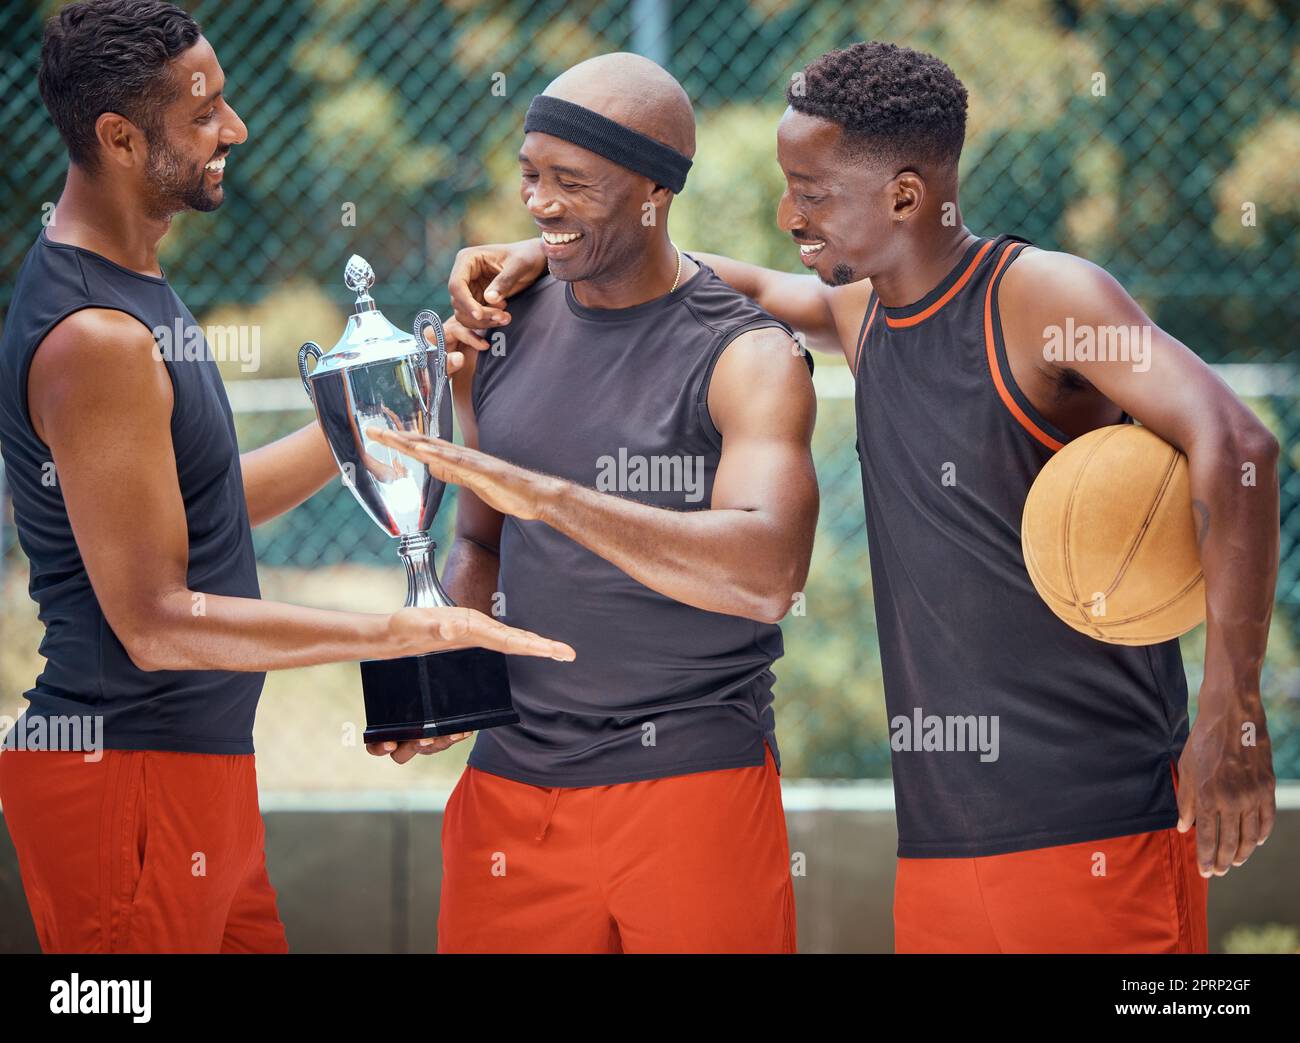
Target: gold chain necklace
x,y
678,277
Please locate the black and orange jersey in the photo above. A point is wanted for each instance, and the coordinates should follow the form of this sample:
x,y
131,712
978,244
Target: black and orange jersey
x,y
1009,730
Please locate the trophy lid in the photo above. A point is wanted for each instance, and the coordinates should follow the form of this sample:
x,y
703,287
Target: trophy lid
x,y
368,336
358,276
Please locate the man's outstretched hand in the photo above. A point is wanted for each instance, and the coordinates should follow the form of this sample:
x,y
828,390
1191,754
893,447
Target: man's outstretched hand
x,y
503,486
420,630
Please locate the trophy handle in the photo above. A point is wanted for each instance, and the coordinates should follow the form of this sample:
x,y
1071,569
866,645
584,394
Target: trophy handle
x,y
423,321
312,349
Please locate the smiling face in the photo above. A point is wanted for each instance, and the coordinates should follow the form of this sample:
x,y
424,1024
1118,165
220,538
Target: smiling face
x,y
840,209
187,148
589,209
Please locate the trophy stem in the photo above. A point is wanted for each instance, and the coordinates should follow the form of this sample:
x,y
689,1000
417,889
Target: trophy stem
x,y
438,693
422,587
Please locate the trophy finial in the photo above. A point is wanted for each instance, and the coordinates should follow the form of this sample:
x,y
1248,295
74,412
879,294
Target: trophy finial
x,y
358,276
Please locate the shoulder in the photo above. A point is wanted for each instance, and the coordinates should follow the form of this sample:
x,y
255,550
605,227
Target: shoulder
x,y
98,353
536,304
546,289
718,307
765,353
762,377
1046,297
99,334
1047,281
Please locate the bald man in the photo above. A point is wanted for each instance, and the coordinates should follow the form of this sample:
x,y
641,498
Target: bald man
x,y
637,480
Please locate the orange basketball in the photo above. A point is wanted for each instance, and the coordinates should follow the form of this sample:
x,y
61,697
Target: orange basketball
x,y
1110,540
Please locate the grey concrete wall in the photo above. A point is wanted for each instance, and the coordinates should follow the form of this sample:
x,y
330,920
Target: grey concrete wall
x,y
364,877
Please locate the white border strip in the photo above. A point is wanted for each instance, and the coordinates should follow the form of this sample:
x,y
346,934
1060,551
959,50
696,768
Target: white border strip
x,y
282,395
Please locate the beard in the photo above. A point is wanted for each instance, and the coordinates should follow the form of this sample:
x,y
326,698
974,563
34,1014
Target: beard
x,y
842,275
175,183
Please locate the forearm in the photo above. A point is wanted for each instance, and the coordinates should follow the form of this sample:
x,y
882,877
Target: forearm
x,y
737,562
799,301
1237,521
281,475
187,630
741,276
470,575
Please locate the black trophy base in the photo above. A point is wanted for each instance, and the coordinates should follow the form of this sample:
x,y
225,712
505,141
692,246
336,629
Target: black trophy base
x,y
440,693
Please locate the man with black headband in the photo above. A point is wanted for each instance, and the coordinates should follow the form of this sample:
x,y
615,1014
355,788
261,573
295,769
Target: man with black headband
x,y
1086,829
639,482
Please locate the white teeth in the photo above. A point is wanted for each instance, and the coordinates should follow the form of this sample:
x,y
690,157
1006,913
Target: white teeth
x,y
555,238
217,165
810,249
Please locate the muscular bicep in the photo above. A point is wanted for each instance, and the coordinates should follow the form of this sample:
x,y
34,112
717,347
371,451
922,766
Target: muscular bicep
x,y
762,401
102,402
1129,360
475,520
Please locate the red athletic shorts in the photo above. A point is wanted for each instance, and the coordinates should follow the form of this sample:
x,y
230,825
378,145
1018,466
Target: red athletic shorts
x,y
1138,894
692,863
141,851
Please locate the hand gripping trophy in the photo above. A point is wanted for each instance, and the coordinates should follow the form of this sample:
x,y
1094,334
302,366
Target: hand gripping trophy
x,y
378,376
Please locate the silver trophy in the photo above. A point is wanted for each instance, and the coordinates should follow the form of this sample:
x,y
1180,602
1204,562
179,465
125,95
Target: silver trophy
x,y
378,376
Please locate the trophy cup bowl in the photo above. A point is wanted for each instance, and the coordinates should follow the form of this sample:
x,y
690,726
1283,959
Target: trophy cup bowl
x,y
378,376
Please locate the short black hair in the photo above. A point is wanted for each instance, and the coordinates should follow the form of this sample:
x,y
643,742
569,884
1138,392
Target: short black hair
x,y
893,102
111,56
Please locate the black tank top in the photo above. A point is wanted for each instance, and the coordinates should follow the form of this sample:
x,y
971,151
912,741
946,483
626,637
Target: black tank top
x,y
617,400
949,447
88,672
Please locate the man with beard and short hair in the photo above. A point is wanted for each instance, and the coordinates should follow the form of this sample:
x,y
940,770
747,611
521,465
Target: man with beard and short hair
x,y
1079,836
636,807
133,506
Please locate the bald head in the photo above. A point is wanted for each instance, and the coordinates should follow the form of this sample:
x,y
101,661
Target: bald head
x,y
606,147
633,91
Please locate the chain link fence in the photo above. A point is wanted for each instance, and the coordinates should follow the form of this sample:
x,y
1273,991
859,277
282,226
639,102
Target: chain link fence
x,y
1161,140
